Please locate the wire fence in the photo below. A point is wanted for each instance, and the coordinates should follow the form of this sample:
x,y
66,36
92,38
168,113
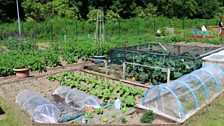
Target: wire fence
x,y
74,29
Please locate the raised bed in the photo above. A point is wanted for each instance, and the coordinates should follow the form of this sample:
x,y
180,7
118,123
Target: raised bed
x,y
149,62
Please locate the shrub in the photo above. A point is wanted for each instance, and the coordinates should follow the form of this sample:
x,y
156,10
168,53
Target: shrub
x,y
147,117
123,120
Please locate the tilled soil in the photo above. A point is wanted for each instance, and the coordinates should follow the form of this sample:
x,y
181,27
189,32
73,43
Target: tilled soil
x,y
10,86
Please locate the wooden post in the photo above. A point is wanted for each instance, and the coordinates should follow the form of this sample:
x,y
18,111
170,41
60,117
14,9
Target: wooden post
x,y
168,75
106,65
123,70
178,49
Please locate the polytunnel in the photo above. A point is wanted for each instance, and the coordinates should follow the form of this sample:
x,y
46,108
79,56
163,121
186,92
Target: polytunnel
x,y
181,98
40,108
77,98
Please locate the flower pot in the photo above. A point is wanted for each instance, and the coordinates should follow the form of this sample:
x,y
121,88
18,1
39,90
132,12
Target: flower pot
x,y
98,59
22,73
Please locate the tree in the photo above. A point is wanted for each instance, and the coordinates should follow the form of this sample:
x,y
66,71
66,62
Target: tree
x,y
34,9
148,11
125,8
207,8
8,10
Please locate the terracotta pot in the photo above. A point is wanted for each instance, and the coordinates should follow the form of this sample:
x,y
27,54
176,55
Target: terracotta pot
x,y
22,73
89,109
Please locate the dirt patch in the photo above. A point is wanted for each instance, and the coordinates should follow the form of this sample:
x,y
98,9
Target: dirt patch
x,y
196,44
43,45
2,117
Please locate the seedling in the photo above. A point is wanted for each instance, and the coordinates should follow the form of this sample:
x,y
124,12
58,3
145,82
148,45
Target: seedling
x,y
89,115
104,120
124,110
113,116
99,111
123,120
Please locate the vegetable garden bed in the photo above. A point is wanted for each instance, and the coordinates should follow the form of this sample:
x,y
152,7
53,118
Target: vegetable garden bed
x,y
107,91
152,61
102,88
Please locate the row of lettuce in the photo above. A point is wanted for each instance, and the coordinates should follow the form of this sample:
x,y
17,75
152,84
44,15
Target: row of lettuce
x,y
25,53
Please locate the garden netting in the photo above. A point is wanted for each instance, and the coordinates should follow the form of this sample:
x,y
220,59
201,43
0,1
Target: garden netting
x,y
180,98
166,51
40,108
180,59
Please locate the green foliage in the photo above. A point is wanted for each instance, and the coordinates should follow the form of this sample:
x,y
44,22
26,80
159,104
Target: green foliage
x,y
22,45
124,110
113,116
100,88
92,15
178,66
112,16
81,9
147,117
104,120
148,11
99,111
89,115
38,10
124,120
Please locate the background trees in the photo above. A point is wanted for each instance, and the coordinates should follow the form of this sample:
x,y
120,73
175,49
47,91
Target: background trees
x,y
80,9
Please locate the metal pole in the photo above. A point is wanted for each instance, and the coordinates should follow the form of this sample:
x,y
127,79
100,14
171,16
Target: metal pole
x,y
17,6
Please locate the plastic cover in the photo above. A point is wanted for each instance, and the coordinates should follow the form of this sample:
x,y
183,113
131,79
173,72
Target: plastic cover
x,y
40,108
181,97
62,91
81,99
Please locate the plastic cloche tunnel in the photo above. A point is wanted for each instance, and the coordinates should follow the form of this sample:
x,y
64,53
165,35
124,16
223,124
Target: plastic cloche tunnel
x,y
40,108
181,98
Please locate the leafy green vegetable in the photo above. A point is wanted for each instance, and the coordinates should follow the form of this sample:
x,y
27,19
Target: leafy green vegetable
x,y
99,111
99,87
124,110
147,117
124,120
104,120
89,115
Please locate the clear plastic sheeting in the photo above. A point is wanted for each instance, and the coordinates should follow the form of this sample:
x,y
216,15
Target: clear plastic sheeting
x,y
81,99
180,98
62,91
76,98
40,108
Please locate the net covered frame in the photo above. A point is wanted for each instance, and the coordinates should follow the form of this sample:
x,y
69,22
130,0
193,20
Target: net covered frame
x,y
161,50
180,98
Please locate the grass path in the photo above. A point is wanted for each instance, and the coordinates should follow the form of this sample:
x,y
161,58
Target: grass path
x,y
13,116
212,115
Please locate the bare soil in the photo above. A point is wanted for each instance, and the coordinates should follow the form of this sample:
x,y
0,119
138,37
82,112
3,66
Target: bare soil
x,y
197,44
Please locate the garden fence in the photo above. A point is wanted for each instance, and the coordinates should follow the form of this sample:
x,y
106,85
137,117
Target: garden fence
x,y
74,29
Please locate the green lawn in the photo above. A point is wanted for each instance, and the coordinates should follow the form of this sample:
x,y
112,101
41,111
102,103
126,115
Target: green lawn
x,y
212,115
13,117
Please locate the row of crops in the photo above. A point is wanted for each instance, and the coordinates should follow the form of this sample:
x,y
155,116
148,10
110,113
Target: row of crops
x,y
149,62
100,87
23,54
178,67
